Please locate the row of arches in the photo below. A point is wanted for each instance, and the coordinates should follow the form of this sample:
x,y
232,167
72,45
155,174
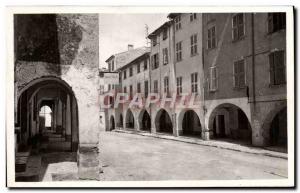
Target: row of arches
x,y
226,122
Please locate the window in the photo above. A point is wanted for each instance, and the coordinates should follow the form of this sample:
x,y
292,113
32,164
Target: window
x,y
213,83
124,74
194,82
155,86
165,33
138,68
277,68
155,61
179,85
238,26
276,22
178,52
138,86
211,37
239,74
109,87
130,71
154,41
146,88
178,23
165,56
130,91
112,66
193,16
109,67
193,44
166,85
125,89
112,86
145,65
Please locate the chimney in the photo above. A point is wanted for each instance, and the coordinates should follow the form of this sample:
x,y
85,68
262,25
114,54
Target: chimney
x,y
130,47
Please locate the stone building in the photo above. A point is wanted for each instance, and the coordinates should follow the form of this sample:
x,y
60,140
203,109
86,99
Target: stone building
x,y
233,63
56,66
245,81
133,68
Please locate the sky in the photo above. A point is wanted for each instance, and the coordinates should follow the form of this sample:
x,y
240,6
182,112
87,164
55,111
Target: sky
x,y
119,30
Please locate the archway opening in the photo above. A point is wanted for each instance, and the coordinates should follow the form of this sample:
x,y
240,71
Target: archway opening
x,y
129,120
47,115
163,122
145,121
121,121
112,123
191,125
228,121
278,129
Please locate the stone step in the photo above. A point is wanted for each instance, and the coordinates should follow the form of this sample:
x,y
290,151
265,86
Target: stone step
x,y
32,172
21,161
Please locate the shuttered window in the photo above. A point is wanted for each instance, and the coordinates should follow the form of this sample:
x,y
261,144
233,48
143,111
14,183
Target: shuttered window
x,y
239,74
277,68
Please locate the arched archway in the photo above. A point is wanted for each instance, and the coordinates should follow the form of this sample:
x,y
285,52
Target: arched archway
x,y
163,122
121,120
228,121
145,120
129,119
278,129
112,123
45,117
58,95
191,125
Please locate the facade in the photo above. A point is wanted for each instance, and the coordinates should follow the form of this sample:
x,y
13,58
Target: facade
x,y
56,66
241,92
234,66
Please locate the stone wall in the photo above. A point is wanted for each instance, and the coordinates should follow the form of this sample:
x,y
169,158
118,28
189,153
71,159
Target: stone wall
x,y
77,46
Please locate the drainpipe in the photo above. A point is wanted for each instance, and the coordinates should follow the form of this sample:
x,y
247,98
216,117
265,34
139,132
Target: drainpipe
x,y
253,59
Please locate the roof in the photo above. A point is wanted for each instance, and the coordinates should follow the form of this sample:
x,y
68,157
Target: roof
x,y
155,32
173,15
147,53
124,58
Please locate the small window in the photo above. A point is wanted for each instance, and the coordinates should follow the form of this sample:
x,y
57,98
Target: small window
x,y
178,51
277,68
166,85
213,83
238,25
138,66
138,86
146,88
155,61
239,74
155,86
165,33
145,65
179,85
178,23
165,56
124,74
194,50
276,22
154,41
130,91
125,89
193,16
194,82
130,71
211,37
109,86
112,66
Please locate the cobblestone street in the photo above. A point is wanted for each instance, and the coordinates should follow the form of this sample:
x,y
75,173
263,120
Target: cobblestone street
x,y
134,157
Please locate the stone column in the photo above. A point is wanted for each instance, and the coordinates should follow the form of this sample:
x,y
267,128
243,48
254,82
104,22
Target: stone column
x,y
68,119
